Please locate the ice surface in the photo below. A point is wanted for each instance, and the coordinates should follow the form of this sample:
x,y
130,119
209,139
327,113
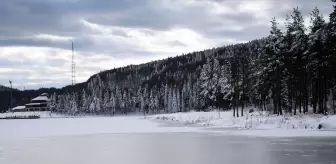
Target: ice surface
x,y
162,148
11,129
222,123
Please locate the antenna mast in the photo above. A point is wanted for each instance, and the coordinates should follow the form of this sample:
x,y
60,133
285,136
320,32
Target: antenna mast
x,y
73,67
73,81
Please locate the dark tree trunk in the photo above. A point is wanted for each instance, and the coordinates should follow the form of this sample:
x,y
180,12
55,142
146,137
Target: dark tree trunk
x,y
300,94
237,104
290,98
314,95
275,107
333,100
325,95
234,104
278,99
295,103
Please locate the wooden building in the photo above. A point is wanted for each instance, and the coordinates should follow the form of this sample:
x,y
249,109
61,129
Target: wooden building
x,y
39,103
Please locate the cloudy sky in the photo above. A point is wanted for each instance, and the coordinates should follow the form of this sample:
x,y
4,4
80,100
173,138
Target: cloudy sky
x,y
36,35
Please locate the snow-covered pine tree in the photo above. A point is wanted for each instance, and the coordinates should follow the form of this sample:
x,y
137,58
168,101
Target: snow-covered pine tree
x,y
51,104
106,101
118,96
59,103
225,85
272,60
198,100
178,100
296,31
316,56
190,93
184,97
170,100
205,82
97,105
331,49
124,102
73,104
144,100
174,100
166,94
92,107
152,101
215,77
84,102
112,104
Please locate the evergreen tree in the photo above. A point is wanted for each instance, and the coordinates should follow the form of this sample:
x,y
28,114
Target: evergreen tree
x,y
106,102
85,102
205,82
316,59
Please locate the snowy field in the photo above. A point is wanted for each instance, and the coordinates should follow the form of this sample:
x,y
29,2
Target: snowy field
x,y
256,124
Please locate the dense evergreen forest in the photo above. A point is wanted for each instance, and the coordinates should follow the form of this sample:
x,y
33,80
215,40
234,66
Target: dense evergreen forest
x,y
291,71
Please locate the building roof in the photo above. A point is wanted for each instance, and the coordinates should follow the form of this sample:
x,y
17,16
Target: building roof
x,y
19,108
40,98
33,104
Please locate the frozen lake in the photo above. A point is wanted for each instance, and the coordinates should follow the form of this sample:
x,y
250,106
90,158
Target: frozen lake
x,y
130,140
167,148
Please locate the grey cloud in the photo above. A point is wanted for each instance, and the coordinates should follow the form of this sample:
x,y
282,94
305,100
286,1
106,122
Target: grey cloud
x,y
21,20
28,17
6,63
120,33
177,43
21,83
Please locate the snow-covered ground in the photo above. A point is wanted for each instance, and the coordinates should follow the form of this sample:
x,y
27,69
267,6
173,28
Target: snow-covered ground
x,y
256,123
41,114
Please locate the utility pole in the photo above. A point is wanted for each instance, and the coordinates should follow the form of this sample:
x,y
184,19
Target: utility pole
x,y
11,90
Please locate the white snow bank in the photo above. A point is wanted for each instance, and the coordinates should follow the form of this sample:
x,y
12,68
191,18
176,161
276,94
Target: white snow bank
x,y
41,114
256,120
329,123
282,133
18,108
